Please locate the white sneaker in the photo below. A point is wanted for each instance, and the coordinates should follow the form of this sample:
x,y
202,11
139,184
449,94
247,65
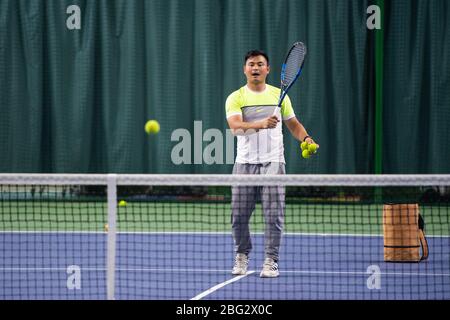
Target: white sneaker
x,y
240,264
270,269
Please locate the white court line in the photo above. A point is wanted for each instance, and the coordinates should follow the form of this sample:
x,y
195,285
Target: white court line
x,y
220,285
365,273
162,270
25,269
208,233
29,269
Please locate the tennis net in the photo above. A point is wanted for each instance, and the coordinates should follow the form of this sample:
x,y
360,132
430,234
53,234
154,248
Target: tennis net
x,y
172,237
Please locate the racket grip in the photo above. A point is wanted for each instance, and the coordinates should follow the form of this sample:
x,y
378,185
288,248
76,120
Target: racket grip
x,y
275,111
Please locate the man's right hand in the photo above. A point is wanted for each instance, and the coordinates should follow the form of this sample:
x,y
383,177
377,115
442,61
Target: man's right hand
x,y
269,123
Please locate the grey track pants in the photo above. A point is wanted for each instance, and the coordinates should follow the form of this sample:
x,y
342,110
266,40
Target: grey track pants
x,y
243,203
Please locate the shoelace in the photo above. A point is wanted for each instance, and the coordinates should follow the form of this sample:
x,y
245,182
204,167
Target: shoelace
x,y
272,266
239,260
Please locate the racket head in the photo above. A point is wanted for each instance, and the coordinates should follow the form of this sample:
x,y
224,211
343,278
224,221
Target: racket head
x,y
292,65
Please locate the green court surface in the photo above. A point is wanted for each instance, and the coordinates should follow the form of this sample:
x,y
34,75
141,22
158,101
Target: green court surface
x,y
154,216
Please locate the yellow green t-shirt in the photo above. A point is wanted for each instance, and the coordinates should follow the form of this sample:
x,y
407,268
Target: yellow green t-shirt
x,y
265,145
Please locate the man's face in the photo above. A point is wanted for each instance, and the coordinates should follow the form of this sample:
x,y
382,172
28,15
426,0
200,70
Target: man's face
x,y
256,70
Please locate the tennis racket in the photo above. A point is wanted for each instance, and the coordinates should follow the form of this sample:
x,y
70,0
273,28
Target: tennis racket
x,y
291,69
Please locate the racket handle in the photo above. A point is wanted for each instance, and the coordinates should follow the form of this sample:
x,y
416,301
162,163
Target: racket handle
x,y
275,111
280,100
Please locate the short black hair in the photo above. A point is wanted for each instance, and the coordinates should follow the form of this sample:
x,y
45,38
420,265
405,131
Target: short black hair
x,y
254,53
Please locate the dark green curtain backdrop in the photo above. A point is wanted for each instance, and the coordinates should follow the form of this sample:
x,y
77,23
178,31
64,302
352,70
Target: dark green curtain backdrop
x,y
77,100
417,87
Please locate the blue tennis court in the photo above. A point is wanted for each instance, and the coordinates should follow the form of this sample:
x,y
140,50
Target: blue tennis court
x,y
63,265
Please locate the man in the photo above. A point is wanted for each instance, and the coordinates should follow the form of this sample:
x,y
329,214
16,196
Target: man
x,y
260,150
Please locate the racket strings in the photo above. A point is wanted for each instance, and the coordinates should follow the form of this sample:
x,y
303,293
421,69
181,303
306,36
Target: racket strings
x,y
293,64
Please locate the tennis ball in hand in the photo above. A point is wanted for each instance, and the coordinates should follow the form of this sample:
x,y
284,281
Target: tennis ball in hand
x,y
122,203
312,148
306,154
304,145
152,127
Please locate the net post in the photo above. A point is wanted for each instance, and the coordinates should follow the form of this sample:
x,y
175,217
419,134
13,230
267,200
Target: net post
x,y
111,241
379,63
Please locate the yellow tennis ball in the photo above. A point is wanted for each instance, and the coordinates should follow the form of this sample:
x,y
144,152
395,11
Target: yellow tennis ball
x,y
312,148
306,154
106,227
152,127
122,203
304,145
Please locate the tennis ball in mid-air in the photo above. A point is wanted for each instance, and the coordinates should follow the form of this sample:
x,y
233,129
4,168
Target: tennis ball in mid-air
x,y
106,227
304,145
152,127
312,148
122,203
306,154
